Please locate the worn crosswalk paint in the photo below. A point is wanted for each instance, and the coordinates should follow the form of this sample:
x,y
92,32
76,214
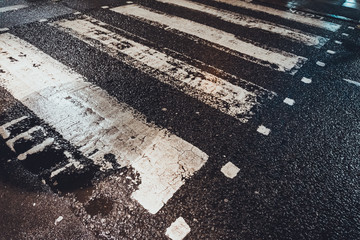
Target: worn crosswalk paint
x,y
4,132
216,92
284,14
12,8
96,123
246,21
283,61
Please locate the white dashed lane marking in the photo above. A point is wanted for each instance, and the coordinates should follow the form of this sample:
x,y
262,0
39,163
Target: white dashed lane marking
x,y
178,229
306,80
320,64
338,42
352,82
98,124
284,61
330,52
263,130
230,170
289,101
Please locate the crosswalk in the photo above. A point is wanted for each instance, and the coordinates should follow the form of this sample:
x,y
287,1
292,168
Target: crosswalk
x,y
98,125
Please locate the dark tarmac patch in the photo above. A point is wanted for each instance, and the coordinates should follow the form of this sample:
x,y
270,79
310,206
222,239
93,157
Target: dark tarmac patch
x,y
99,205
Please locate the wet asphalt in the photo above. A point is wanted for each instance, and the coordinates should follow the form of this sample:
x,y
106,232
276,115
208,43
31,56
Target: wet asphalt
x,y
300,182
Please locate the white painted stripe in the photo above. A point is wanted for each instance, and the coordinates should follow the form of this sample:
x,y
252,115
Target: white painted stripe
x,y
289,101
242,20
178,229
263,130
72,163
43,20
38,148
216,92
284,14
283,60
230,170
330,52
5,134
12,8
345,34
25,135
351,28
338,42
306,80
321,64
4,29
91,120
352,82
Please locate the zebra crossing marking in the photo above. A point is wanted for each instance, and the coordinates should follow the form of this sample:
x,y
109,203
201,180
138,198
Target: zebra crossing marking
x,y
352,82
284,14
12,8
214,91
87,117
284,61
249,22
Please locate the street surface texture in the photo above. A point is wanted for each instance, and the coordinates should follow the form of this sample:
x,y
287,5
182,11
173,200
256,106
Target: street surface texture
x,y
179,119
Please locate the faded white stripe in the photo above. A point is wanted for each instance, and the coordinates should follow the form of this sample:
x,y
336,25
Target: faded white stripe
x,y
12,8
283,14
283,60
3,129
216,92
295,35
96,123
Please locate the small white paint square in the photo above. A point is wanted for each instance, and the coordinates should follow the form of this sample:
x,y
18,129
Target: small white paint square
x,y
321,64
345,34
178,229
289,101
338,42
263,130
330,52
306,80
230,170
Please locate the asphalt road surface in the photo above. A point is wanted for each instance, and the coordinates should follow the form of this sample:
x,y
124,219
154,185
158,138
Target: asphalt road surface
x,y
164,119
